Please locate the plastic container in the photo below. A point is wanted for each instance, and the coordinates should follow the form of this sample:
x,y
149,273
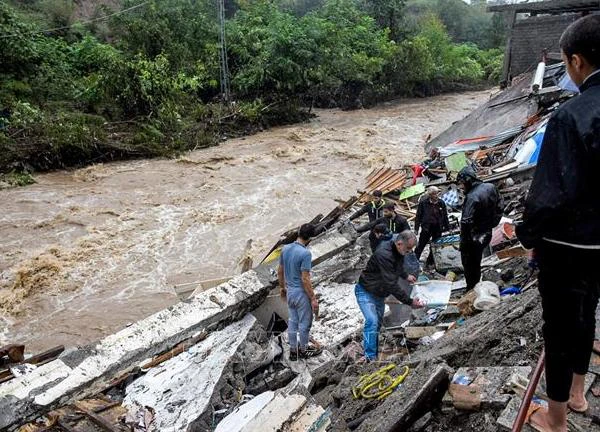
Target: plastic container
x,y
488,295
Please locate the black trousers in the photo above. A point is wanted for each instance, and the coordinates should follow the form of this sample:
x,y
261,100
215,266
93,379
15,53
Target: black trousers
x,y
471,254
569,285
427,233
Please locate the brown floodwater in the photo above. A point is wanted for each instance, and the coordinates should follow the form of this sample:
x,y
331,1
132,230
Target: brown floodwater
x,y
85,252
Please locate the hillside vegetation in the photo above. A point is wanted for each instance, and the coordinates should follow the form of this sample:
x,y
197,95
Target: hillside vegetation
x,y
146,82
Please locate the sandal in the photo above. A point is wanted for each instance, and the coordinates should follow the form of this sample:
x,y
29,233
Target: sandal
x,y
533,408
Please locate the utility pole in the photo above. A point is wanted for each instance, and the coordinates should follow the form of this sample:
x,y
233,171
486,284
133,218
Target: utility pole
x,y
223,53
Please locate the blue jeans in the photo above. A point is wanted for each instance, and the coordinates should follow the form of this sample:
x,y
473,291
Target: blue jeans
x,y
300,319
372,307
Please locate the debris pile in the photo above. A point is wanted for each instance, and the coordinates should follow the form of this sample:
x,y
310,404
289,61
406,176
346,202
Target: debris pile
x,y
219,361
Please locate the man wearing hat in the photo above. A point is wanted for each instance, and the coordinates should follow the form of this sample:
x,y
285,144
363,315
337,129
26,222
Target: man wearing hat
x,y
432,219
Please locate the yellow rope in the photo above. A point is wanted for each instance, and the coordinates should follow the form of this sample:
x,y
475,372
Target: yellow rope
x,y
378,385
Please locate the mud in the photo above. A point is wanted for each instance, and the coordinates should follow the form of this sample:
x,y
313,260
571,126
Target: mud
x,y
86,252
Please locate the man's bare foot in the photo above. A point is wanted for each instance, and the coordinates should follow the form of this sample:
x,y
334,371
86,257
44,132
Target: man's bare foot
x,y
596,347
577,403
541,421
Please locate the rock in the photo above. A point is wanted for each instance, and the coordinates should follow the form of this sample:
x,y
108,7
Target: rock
x,y
422,423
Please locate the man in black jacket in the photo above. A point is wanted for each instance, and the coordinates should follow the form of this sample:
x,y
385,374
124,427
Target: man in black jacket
x,y
482,211
561,224
384,276
393,221
432,219
373,208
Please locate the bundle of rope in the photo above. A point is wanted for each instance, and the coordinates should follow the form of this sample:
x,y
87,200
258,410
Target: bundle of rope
x,y
380,384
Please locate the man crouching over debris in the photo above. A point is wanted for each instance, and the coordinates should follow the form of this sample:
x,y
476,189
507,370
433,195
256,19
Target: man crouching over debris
x,y
294,283
561,223
384,276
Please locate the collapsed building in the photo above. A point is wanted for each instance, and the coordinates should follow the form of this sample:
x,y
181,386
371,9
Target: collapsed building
x,y
218,360
534,28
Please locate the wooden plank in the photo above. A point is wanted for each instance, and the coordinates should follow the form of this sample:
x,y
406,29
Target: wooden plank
x,y
175,351
378,177
97,419
38,359
516,251
393,182
381,180
46,356
379,173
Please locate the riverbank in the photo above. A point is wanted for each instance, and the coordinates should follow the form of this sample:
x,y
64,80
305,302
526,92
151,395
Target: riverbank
x,y
86,252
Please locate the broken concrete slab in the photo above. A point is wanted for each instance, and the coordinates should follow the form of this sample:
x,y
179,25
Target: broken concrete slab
x,y
189,380
242,415
276,413
339,315
91,369
492,381
326,246
313,418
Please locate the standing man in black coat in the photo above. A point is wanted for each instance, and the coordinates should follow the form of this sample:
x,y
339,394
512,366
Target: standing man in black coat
x,y
482,211
561,224
432,219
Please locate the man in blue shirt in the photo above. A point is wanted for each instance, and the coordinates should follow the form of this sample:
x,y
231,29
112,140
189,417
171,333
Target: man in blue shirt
x,y
295,285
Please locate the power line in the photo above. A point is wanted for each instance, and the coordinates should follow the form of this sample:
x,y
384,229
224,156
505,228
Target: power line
x,y
102,18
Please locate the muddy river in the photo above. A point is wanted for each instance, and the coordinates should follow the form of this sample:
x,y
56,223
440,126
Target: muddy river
x,y
85,252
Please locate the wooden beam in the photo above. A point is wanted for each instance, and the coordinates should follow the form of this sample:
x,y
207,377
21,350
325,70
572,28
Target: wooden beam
x,y
175,351
95,418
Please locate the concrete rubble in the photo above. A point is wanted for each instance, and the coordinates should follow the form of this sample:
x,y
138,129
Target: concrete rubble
x,y
219,362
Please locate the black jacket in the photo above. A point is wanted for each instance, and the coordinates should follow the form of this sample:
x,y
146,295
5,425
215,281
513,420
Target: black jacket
x,y
374,209
385,273
563,202
432,215
395,225
482,211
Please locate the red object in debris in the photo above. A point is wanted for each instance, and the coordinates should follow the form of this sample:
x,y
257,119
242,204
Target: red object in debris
x,y
417,170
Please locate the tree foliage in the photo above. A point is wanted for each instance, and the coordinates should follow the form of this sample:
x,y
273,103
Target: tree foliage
x,y
147,82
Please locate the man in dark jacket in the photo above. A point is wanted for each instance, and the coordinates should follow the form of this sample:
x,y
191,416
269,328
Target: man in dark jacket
x,y
393,221
384,276
380,233
432,219
373,208
482,211
561,224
